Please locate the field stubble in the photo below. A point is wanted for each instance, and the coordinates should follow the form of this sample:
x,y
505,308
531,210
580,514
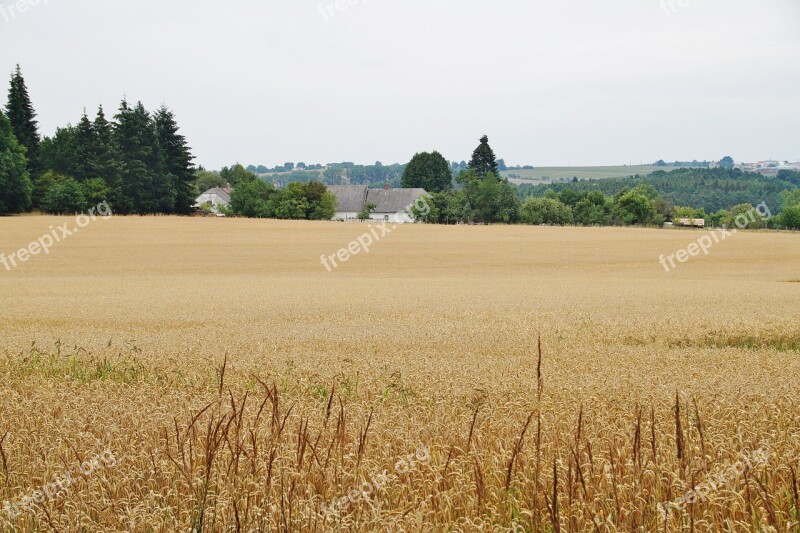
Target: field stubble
x,y
240,385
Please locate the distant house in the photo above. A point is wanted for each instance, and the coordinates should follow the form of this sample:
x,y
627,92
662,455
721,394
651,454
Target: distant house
x,y
768,172
350,200
394,205
391,205
691,222
216,198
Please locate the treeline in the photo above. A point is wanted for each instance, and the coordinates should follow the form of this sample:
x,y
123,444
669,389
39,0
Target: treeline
x,y
709,189
643,205
688,164
373,175
286,167
335,174
138,162
346,173
483,201
479,195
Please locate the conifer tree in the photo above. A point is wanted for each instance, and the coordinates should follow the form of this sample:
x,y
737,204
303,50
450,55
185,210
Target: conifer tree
x,y
136,178
144,182
483,159
177,158
23,120
107,163
84,149
161,197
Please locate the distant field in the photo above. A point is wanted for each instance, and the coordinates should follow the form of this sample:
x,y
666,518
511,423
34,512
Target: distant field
x,y
295,174
537,175
240,386
550,174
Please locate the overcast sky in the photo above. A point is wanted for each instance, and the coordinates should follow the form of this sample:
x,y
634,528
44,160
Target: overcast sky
x,y
556,82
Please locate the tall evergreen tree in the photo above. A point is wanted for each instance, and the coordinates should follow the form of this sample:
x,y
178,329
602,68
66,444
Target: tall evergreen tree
x,y
483,159
162,194
136,178
15,184
177,157
84,149
144,181
107,163
23,120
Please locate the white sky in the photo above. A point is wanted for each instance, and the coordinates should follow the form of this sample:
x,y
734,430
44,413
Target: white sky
x,y
556,82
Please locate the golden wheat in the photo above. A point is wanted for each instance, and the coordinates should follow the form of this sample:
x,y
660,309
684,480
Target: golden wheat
x,y
242,387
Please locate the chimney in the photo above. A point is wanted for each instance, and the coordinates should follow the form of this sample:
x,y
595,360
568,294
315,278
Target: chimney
x,y
387,187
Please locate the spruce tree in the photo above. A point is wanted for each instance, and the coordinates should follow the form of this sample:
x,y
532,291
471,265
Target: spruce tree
x,y
162,193
483,159
144,182
136,178
23,120
177,158
84,149
107,164
15,184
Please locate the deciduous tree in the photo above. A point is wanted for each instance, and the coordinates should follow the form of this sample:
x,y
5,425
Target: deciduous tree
x,y
429,171
539,211
726,162
15,183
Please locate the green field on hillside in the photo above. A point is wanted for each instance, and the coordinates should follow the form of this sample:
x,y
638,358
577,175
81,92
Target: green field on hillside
x,y
550,174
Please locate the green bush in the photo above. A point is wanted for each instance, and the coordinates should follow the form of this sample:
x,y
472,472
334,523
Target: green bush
x,y
546,211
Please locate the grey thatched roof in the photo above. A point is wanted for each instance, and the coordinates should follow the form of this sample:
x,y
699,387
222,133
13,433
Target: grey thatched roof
x,y
394,200
349,198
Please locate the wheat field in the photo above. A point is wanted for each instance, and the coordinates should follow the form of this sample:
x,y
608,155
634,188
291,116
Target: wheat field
x,y
212,375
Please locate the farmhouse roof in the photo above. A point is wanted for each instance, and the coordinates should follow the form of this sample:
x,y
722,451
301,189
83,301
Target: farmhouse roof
x,y
224,193
349,198
394,200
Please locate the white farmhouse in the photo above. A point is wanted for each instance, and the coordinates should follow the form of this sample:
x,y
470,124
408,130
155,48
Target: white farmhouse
x,y
391,205
349,200
394,205
216,198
